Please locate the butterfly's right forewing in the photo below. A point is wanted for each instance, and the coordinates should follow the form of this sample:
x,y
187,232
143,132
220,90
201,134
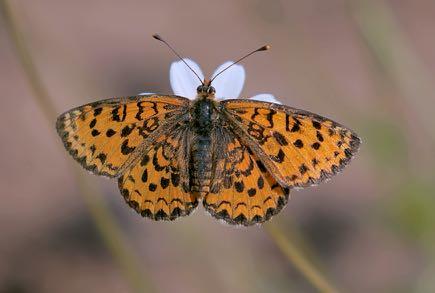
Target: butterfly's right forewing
x,y
103,136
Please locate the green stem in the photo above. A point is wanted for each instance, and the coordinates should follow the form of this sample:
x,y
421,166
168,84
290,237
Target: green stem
x,y
294,255
107,227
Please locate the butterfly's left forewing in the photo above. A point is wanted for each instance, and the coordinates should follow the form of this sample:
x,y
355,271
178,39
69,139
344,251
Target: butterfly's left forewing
x,y
297,147
103,136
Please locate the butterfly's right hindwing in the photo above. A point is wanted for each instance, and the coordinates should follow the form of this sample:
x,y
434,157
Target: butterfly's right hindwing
x,y
242,191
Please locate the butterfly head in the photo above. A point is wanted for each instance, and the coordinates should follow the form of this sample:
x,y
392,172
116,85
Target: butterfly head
x,y
206,89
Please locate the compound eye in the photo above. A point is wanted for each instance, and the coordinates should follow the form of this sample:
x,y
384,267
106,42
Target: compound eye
x,y
199,89
211,90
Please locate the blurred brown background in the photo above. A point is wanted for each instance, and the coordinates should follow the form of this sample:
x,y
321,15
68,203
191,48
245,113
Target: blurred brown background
x,y
367,64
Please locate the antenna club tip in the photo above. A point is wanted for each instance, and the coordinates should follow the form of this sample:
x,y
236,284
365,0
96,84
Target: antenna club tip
x,y
264,48
157,37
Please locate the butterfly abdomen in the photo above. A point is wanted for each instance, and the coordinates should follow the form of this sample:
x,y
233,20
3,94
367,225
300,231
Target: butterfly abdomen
x,y
201,159
200,171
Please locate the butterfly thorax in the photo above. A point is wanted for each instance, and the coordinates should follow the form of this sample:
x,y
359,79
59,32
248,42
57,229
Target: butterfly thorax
x,y
202,117
201,113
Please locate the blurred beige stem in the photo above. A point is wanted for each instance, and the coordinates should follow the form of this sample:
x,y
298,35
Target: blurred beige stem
x,y
108,228
301,263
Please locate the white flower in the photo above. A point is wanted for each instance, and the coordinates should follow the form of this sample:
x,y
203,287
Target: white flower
x,y
228,85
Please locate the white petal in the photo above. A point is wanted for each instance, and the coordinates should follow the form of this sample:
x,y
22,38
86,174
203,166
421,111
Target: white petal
x,y
230,83
266,98
183,81
145,94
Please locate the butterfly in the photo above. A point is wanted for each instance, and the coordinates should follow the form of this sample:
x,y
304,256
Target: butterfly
x,y
240,157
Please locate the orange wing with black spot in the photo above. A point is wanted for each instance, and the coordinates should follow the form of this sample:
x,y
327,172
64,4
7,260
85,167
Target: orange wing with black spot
x,y
106,136
242,191
297,147
157,187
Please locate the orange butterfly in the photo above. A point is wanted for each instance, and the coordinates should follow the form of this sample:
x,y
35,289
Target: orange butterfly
x,y
240,157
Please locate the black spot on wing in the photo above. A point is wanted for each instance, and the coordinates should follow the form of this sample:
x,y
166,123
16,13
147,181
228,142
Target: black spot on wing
x,y
298,143
279,158
261,166
260,182
110,132
127,130
97,111
152,187
296,126
145,160
287,122
315,145
269,117
319,136
175,179
164,182
125,149
239,186
93,122
95,132
317,125
303,169
140,111
160,215
144,175
102,157
280,139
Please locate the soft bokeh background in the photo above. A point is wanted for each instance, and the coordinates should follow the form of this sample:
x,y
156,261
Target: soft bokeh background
x,y
367,64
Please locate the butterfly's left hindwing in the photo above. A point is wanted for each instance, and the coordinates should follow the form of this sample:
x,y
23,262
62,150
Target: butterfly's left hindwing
x,y
157,186
297,147
103,135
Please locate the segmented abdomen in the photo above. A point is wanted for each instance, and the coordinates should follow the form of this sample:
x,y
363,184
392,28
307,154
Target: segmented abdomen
x,y
200,165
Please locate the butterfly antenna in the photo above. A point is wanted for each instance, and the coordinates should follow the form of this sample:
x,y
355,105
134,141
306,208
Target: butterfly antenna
x,y
157,37
264,48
